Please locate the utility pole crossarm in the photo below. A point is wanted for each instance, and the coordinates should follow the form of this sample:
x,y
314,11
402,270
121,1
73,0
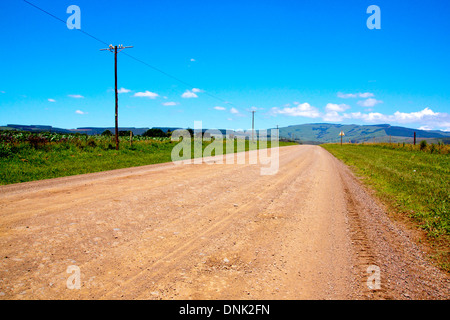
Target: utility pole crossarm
x,y
111,48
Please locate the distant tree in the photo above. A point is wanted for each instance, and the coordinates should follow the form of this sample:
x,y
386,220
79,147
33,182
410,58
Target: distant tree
x,y
124,133
106,133
154,132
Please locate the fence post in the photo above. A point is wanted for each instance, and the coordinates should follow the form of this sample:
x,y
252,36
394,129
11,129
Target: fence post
x,y
131,138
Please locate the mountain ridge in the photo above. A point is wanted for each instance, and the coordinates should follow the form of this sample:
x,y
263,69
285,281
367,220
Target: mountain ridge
x,y
329,132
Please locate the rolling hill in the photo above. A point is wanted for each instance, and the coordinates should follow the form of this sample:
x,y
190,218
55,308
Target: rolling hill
x,y
316,133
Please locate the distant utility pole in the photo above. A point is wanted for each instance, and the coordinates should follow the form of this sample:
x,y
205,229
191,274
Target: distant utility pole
x,y
112,48
253,123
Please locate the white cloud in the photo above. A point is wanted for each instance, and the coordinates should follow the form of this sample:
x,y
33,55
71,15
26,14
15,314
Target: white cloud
x,y
445,126
80,112
255,109
123,90
76,96
51,100
332,116
346,95
371,102
336,107
301,110
414,116
171,103
425,117
189,94
196,90
332,112
355,95
147,94
366,95
219,108
192,60
369,117
234,111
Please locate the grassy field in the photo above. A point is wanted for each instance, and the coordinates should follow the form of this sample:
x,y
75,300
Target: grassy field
x,y
414,181
36,157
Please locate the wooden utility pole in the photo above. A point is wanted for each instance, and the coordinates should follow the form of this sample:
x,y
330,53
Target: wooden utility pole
x,y
414,138
253,123
112,48
116,113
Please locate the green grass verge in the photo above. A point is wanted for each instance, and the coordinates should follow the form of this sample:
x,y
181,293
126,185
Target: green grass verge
x,y
21,162
413,183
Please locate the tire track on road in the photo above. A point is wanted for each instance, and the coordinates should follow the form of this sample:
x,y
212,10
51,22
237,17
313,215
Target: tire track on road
x,y
222,223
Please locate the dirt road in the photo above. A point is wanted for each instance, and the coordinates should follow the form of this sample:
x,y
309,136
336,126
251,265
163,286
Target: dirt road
x,y
209,231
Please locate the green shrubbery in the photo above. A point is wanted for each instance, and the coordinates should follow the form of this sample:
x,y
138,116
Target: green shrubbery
x,y
12,142
26,156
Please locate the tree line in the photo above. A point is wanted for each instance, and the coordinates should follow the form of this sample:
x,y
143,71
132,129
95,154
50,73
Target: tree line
x,y
154,132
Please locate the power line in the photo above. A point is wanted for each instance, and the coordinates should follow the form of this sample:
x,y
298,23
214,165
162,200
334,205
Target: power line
x,y
176,79
132,57
63,21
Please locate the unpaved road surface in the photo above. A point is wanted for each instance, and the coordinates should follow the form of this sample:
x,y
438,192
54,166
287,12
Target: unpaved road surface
x,y
209,231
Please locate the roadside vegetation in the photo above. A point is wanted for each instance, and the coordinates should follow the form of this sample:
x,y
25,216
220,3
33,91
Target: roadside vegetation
x,y
26,156
414,181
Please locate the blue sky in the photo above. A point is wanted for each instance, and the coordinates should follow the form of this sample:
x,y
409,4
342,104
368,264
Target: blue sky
x,y
293,62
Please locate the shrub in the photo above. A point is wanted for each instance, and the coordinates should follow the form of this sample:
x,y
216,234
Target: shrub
x,y
107,133
433,148
5,150
78,143
423,145
91,143
37,141
154,133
